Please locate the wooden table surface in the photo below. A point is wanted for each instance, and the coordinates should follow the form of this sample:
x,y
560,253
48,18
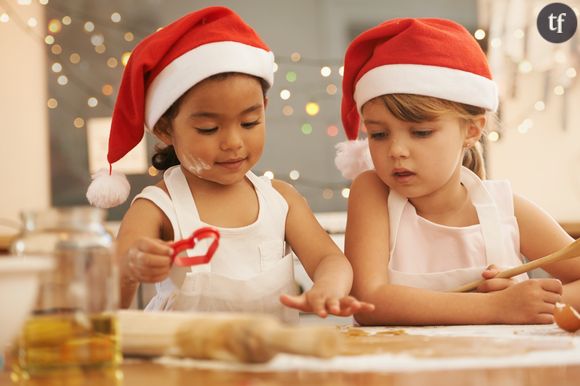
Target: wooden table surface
x,y
149,374
504,356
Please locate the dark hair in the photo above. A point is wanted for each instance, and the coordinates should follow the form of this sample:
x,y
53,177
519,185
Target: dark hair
x,y
165,156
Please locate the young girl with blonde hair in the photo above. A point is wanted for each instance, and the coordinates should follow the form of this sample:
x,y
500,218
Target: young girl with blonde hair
x,y
423,220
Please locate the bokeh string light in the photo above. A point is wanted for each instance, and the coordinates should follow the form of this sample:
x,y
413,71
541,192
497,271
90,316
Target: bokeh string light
x,y
518,55
328,190
63,79
114,38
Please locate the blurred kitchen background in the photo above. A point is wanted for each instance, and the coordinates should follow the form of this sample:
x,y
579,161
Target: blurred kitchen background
x,y
61,63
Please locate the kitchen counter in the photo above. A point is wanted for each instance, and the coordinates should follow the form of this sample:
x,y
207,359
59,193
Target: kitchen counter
x,y
452,355
148,374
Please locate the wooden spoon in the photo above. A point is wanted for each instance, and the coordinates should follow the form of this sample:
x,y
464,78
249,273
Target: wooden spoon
x,y
568,252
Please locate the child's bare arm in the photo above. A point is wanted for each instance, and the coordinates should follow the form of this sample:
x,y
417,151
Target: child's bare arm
x,y
142,255
541,235
367,247
322,259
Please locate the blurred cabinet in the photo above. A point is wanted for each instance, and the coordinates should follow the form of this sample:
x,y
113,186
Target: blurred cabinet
x,y
5,241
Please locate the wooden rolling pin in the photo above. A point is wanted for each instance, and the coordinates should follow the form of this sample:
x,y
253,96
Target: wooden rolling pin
x,y
570,251
249,338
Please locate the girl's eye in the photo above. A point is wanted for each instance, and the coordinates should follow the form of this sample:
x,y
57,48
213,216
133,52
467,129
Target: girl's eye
x,y
422,133
206,130
249,125
378,135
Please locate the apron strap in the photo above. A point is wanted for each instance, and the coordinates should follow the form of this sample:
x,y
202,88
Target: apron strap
x,y
488,214
272,203
185,209
396,204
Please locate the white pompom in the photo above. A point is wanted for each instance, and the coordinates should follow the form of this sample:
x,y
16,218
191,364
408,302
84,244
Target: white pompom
x,y
108,190
353,158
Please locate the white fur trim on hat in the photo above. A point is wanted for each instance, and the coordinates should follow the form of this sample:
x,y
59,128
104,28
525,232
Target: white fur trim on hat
x,y
200,63
353,158
108,190
439,82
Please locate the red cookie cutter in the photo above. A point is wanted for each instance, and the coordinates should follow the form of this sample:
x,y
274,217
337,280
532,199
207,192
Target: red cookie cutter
x,y
190,242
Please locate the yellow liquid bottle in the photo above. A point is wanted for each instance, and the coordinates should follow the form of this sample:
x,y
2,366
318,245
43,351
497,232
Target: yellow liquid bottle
x,y
73,328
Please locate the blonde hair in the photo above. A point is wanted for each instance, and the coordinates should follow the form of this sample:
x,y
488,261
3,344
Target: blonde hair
x,y
419,108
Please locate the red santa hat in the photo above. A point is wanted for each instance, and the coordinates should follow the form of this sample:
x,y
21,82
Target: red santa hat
x,y
163,67
430,57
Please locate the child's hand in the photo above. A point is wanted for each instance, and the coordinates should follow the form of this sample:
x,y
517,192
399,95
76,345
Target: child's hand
x,y
530,301
148,260
322,304
491,283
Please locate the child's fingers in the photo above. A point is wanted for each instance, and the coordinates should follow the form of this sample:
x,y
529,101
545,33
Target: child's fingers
x,y
333,306
366,307
490,272
361,307
147,267
148,274
546,318
552,285
290,301
350,305
144,260
317,303
298,302
153,246
552,298
345,312
492,285
547,308
348,301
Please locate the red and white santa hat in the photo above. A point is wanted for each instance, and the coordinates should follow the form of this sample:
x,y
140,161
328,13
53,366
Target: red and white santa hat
x,y
163,67
424,56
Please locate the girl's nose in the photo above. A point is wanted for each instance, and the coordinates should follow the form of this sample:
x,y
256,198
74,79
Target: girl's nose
x,y
231,139
399,149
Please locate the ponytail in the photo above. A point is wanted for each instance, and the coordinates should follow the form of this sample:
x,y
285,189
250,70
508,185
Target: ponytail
x,y
164,158
473,160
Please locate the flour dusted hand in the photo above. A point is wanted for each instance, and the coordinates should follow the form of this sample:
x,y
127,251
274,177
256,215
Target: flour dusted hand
x,y
148,260
322,304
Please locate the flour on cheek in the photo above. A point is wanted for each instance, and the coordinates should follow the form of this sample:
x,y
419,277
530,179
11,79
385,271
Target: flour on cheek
x,y
194,165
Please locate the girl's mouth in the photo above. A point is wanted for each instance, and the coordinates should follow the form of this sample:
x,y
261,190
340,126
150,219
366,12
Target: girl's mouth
x,y
403,176
232,164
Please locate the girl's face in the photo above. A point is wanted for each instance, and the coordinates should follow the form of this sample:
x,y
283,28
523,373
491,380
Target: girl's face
x,y
416,159
218,132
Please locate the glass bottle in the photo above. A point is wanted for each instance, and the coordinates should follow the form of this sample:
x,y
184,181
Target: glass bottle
x,y
73,326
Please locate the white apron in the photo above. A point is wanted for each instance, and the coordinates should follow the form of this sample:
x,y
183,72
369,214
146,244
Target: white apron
x,y
251,267
499,233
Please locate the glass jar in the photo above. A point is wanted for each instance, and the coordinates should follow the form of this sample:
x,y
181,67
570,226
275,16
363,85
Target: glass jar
x,y
73,325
